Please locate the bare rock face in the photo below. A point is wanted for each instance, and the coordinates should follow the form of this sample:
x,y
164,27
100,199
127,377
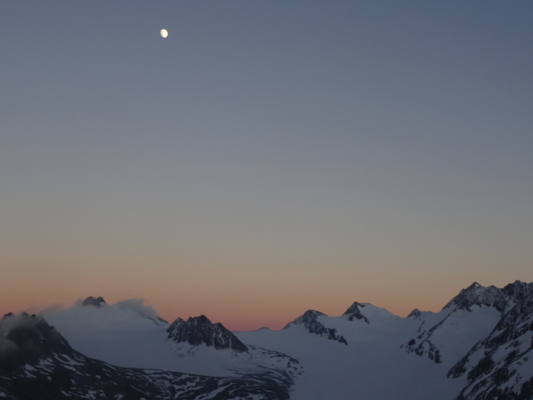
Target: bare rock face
x,y
310,321
468,300
501,299
199,330
354,312
36,362
494,366
94,302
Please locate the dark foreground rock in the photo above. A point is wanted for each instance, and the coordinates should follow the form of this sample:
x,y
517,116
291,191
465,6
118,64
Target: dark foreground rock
x,y
36,362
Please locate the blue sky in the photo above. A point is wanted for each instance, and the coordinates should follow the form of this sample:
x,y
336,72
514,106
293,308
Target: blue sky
x,y
316,152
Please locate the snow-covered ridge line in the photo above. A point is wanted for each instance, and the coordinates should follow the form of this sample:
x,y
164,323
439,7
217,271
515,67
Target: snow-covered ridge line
x,y
478,346
40,364
483,306
310,321
502,299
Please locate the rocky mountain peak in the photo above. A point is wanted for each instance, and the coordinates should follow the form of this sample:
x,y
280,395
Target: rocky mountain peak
x,y
309,320
501,299
518,290
36,362
95,302
478,295
494,366
354,312
200,330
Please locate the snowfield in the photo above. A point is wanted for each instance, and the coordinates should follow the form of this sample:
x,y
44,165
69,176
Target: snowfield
x,y
478,346
373,365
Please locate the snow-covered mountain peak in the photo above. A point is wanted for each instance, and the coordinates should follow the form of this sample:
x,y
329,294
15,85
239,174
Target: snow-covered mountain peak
x,y
200,330
308,317
355,306
499,366
36,362
487,352
478,295
368,313
310,321
464,320
501,299
94,301
354,312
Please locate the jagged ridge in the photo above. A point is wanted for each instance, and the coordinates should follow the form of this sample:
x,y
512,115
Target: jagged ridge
x,y
500,356
310,321
501,299
36,362
475,295
199,330
354,312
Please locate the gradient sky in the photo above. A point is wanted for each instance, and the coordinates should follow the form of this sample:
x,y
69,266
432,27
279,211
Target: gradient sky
x,y
268,157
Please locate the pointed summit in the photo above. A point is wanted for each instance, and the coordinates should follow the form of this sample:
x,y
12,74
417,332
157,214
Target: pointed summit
x,y
95,302
501,299
354,312
308,319
478,295
311,323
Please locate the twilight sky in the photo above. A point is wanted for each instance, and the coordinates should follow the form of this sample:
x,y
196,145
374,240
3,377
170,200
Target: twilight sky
x,y
268,157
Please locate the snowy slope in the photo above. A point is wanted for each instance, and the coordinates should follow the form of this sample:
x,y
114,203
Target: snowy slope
x,y
373,362
445,337
479,344
500,366
371,366
36,362
129,334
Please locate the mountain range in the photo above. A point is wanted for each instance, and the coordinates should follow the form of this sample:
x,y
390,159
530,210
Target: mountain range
x,y
479,346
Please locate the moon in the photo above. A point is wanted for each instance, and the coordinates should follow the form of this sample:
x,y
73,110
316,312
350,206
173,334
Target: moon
x,y
164,33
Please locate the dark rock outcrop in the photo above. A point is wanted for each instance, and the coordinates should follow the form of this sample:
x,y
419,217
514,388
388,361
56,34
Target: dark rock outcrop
x,y
199,330
36,362
94,302
469,299
354,312
501,299
493,365
477,295
310,321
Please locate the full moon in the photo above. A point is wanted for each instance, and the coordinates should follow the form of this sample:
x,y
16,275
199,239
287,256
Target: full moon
x,y
164,33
